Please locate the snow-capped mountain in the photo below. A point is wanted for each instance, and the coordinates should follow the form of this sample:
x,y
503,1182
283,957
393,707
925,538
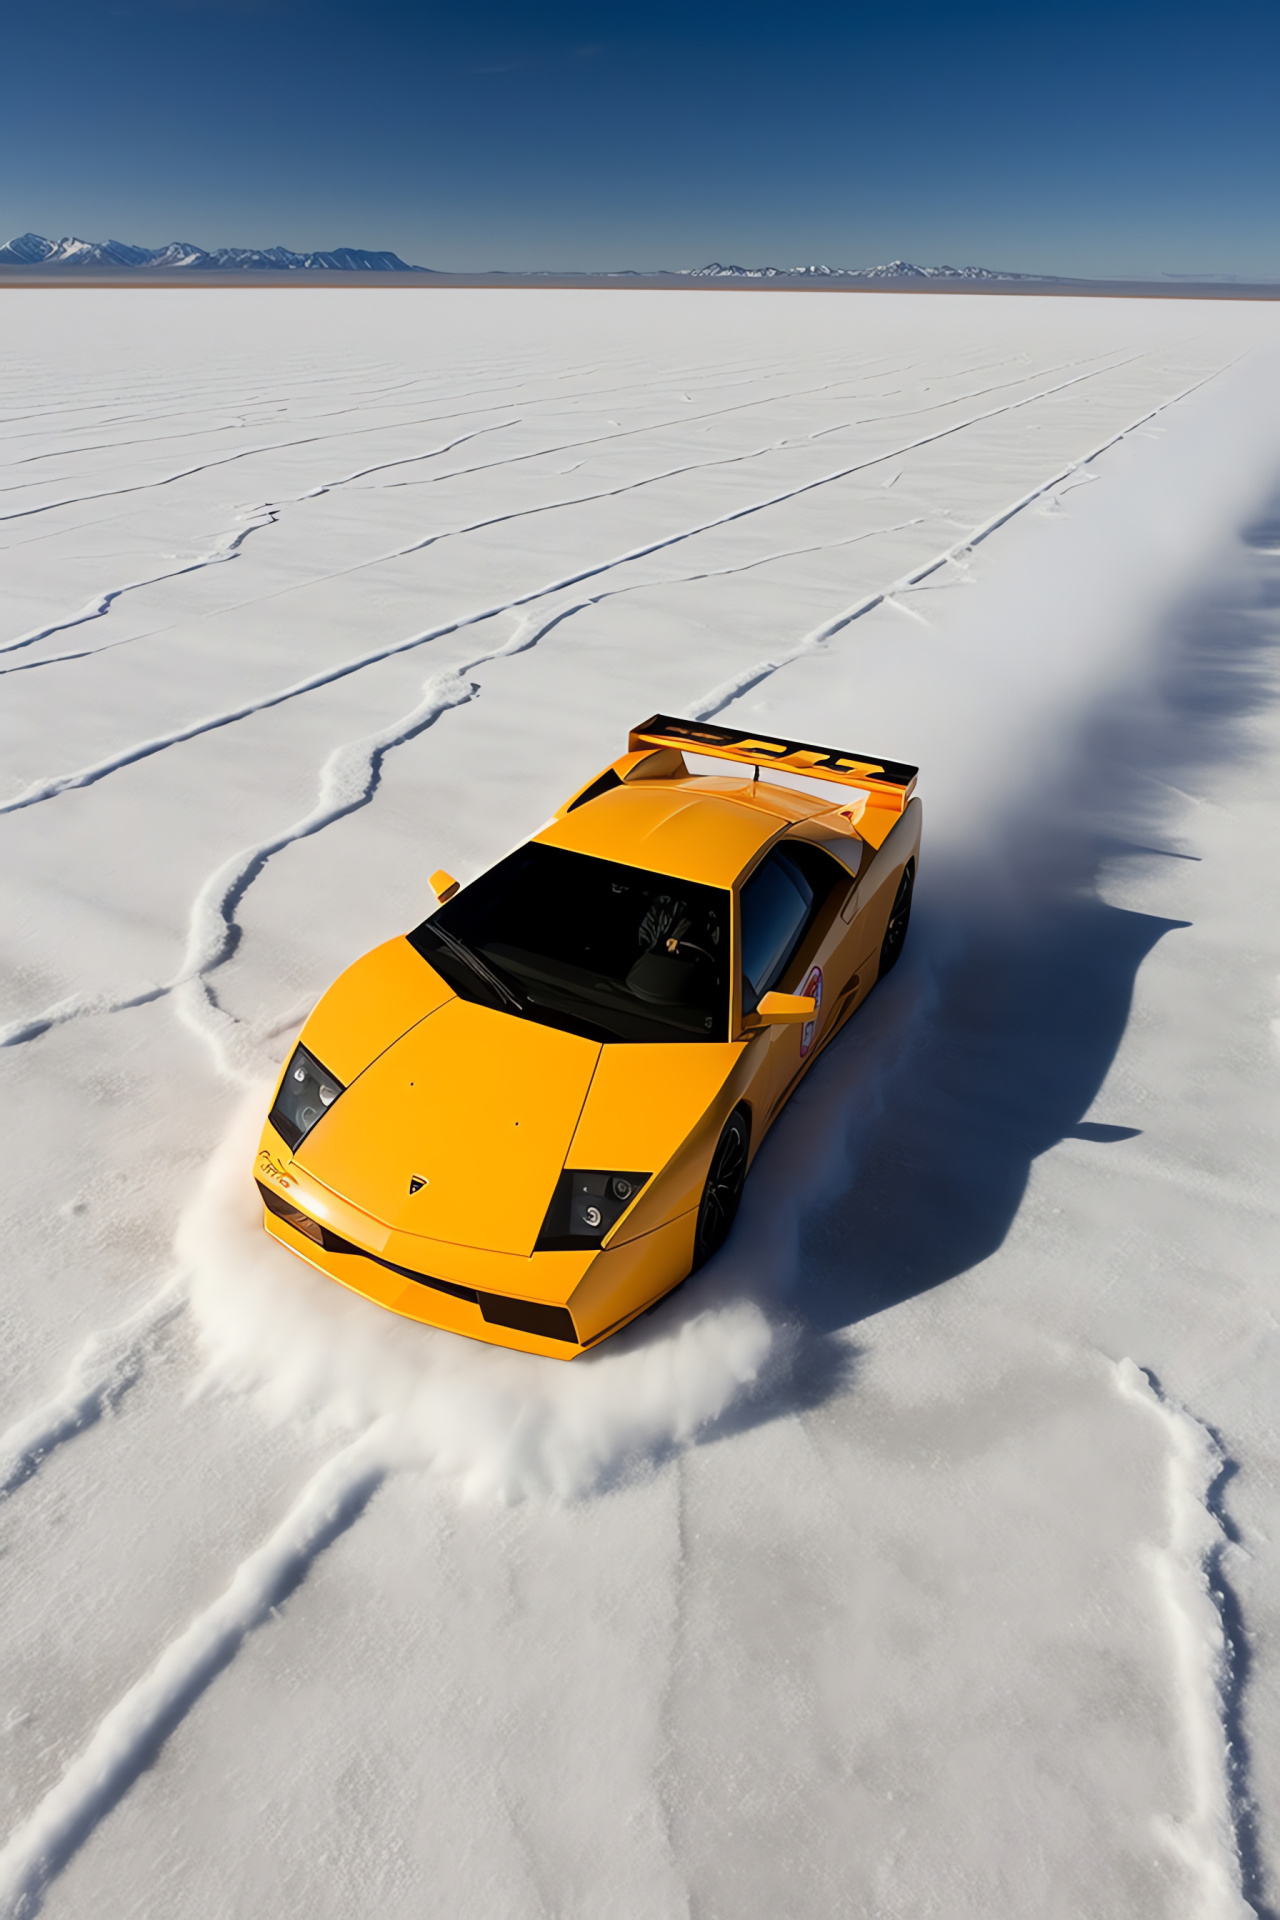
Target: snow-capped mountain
x,y
33,250
891,270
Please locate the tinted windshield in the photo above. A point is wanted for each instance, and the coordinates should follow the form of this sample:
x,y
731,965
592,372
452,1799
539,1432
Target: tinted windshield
x,y
606,950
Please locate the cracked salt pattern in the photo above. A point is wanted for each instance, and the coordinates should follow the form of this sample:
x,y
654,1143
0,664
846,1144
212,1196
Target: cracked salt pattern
x,y
915,1558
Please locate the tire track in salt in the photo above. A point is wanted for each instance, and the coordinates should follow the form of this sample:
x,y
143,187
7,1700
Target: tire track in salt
x,y
266,514
349,779
873,419
193,432
227,547
222,460
350,776
129,1736
749,406
728,691
101,1372
163,480
127,1739
1216,1838
360,405
48,789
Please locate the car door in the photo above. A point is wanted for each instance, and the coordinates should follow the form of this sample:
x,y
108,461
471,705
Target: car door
x,y
793,939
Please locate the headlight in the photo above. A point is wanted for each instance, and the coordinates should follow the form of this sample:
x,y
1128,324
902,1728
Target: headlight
x,y
585,1207
307,1091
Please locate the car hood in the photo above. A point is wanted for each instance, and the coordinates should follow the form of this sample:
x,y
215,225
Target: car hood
x,y
471,1109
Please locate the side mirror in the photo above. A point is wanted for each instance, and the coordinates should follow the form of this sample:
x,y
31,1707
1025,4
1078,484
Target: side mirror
x,y
443,885
786,1009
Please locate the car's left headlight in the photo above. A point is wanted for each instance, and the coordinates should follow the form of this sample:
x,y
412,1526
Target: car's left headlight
x,y
307,1091
585,1206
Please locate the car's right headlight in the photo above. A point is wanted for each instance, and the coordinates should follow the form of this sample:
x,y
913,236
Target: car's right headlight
x,y
307,1091
585,1207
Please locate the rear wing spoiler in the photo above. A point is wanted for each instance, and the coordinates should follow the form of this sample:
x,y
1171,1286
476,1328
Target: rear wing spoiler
x,y
887,784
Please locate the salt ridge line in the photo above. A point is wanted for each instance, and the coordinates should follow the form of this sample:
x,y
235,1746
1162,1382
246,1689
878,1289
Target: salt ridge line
x,y
220,460
159,412
164,480
730,690
349,779
746,406
265,514
995,386
339,796
269,511
238,425
227,547
130,1734
722,459
103,1369
627,433
535,627
477,406
513,459
229,392
42,790
269,514
304,373
450,690
1191,1584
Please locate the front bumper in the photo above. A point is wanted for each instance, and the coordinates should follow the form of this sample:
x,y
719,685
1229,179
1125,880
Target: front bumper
x,y
553,1304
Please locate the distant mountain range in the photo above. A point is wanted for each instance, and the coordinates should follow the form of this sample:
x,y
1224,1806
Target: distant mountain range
x,y
892,270
33,250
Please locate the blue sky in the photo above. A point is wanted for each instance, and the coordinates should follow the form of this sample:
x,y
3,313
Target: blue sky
x,y
1082,138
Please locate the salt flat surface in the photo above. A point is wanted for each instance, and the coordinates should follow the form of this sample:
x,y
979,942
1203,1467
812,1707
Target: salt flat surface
x,y
919,1559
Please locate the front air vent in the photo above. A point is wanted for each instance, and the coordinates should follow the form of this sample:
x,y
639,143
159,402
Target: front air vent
x,y
522,1316
529,1316
303,1223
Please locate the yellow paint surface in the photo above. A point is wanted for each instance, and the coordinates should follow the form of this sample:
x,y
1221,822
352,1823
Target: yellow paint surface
x,y
477,1104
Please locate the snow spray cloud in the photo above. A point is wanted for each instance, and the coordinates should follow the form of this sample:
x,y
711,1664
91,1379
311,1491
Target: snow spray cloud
x,y
1069,608
500,1424
993,704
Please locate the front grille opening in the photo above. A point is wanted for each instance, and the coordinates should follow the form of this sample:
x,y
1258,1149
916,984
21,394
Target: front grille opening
x,y
301,1222
523,1316
529,1316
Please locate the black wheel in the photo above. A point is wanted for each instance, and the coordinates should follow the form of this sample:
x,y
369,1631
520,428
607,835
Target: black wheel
x,y
895,933
723,1191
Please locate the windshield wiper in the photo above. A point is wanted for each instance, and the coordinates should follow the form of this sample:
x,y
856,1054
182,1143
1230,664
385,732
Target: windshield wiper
x,y
455,946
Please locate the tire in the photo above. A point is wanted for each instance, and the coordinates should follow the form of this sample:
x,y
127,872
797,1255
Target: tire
x,y
895,934
723,1191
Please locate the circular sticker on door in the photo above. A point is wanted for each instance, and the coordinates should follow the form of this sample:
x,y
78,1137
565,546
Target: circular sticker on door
x,y
813,985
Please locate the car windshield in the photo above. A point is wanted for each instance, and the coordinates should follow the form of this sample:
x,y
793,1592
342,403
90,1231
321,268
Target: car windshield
x,y
609,951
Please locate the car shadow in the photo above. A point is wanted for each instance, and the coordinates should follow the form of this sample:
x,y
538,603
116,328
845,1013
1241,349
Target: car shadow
x,y
903,1159
1026,1026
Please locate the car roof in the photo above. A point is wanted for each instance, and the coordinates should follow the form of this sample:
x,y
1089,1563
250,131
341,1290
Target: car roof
x,y
705,829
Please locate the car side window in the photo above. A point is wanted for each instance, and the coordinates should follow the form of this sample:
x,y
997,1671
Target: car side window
x,y
776,904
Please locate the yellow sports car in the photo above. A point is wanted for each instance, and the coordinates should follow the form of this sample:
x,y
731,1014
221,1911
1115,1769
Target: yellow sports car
x,y
531,1118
